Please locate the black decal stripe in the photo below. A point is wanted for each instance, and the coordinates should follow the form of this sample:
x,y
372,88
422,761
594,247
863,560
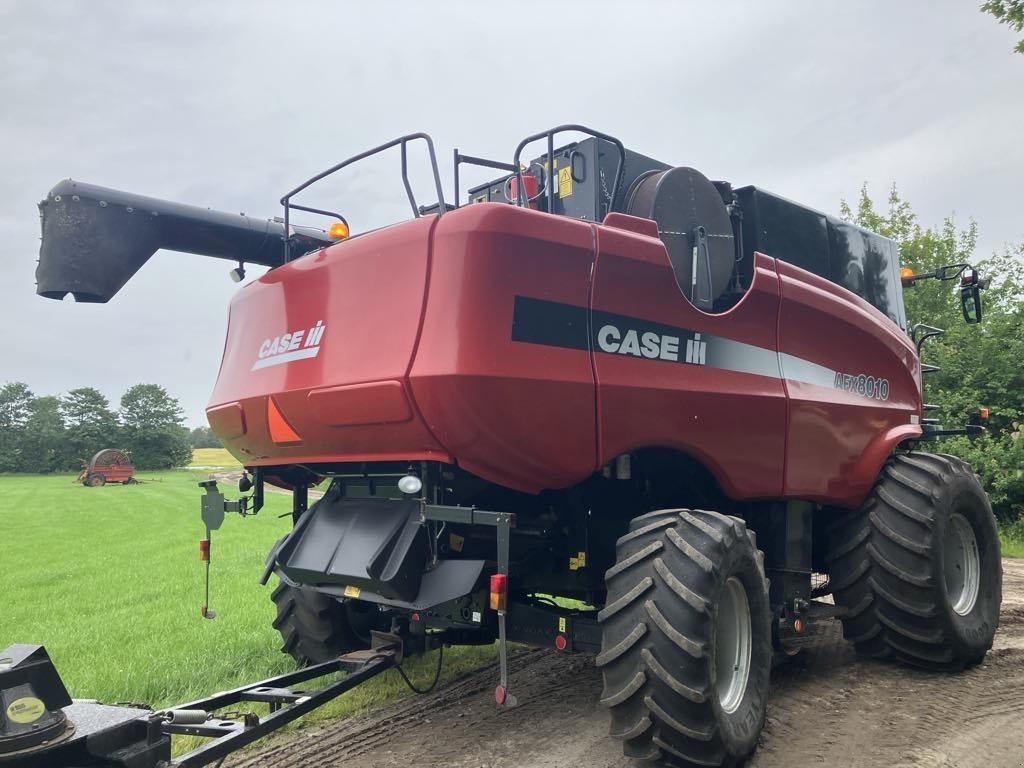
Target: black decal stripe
x,y
536,321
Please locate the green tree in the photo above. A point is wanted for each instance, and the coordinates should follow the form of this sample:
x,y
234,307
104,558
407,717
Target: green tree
x,y
15,409
1009,12
42,444
203,437
147,406
90,425
152,428
980,365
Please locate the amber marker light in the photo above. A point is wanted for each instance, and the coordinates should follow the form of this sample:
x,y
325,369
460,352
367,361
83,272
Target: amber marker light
x,y
906,273
338,231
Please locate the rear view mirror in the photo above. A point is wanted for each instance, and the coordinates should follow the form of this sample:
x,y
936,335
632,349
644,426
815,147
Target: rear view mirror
x,y
970,303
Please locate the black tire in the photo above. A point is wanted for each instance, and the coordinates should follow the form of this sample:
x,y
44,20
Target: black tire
x,y
315,627
95,480
659,639
901,565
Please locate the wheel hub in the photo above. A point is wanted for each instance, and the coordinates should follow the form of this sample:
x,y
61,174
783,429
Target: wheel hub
x,y
732,645
961,565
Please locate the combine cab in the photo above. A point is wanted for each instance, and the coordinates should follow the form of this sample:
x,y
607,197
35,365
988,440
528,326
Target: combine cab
x,y
110,465
604,378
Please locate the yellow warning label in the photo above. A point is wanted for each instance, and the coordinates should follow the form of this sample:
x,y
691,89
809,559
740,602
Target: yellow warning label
x,y
574,563
456,542
564,182
353,592
25,710
561,624
581,557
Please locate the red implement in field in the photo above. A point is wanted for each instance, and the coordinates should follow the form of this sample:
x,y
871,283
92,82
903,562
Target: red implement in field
x,y
110,465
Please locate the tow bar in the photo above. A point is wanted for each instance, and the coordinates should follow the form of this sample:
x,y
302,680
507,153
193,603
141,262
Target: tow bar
x,y
40,726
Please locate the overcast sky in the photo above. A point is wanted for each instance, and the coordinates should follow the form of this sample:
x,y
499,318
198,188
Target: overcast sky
x,y
230,104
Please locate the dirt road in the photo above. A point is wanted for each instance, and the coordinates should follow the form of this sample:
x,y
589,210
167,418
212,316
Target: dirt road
x,y
828,707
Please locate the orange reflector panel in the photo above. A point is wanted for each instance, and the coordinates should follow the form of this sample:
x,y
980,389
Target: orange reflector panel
x,y
338,231
280,430
983,412
906,272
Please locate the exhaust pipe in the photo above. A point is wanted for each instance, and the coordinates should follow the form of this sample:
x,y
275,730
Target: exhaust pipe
x,y
96,238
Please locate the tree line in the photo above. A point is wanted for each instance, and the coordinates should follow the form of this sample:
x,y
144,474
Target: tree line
x,y
46,433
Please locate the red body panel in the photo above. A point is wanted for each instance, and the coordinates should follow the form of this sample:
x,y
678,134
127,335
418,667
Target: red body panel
x,y
521,415
735,423
421,358
368,293
831,429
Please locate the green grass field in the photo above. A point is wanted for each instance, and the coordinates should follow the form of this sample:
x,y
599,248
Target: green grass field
x,y
109,580
213,457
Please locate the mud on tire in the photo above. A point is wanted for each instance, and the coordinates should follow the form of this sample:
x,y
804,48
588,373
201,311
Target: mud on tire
x,y
684,585
918,566
315,627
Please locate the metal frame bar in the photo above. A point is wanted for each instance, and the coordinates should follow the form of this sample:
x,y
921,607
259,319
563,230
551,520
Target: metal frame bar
x,y
401,141
285,705
504,522
471,160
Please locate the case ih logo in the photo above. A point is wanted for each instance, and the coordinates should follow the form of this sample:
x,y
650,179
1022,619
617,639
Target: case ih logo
x,y
296,345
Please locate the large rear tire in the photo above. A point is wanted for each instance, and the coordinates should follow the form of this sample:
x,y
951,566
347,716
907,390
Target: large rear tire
x,y
686,639
315,627
918,566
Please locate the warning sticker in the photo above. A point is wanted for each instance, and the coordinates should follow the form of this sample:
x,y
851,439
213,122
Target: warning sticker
x,y
561,624
25,710
456,542
353,592
564,182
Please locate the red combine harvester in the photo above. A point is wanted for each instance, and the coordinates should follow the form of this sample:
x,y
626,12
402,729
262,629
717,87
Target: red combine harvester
x,y
694,409
108,466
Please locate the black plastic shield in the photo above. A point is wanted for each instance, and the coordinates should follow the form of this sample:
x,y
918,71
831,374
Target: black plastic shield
x,y
379,545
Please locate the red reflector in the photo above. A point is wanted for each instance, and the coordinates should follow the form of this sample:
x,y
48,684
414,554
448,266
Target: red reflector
x,y
560,642
280,430
204,549
499,591
500,694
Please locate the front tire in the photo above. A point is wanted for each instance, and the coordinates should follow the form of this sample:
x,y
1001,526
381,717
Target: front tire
x,y
316,627
918,567
686,639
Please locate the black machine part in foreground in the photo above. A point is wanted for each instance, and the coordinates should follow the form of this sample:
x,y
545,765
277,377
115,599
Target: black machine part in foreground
x,y
96,238
74,735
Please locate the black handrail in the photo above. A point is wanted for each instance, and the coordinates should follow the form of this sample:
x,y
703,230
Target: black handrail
x,y
550,136
401,141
